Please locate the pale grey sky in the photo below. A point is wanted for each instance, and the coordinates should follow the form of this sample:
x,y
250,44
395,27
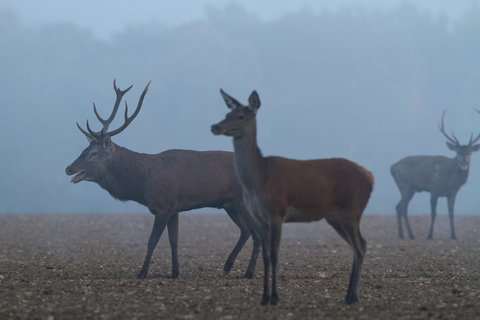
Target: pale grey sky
x,y
107,17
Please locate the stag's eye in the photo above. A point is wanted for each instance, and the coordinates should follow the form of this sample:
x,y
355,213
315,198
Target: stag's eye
x,y
240,117
93,154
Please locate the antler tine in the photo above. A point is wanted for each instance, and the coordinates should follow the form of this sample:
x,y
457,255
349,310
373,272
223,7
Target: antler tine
x,y
478,137
107,122
130,119
89,136
442,129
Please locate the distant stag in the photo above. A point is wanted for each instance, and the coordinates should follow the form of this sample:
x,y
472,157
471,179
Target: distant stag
x,y
440,176
167,183
279,190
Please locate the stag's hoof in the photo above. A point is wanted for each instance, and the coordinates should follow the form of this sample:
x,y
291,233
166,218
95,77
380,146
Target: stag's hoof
x,y
274,300
174,275
411,237
401,236
225,273
454,237
265,301
140,276
248,275
429,237
349,301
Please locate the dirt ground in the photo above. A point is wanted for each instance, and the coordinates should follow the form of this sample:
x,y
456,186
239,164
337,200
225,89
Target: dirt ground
x,y
72,266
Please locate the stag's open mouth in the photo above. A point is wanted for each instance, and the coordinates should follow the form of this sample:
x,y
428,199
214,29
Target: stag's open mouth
x,y
78,177
464,167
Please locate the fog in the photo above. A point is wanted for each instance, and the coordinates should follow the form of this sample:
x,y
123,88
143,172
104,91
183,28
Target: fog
x,y
367,85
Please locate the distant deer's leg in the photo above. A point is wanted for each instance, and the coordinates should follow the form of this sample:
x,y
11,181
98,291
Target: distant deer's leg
x,y
173,238
451,203
433,205
264,232
158,227
233,213
402,211
275,234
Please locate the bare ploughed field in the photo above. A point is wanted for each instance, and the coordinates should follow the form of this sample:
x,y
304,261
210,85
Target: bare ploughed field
x,y
83,267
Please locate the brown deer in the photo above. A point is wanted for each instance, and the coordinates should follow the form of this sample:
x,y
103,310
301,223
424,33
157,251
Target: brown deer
x,y
441,176
167,183
279,190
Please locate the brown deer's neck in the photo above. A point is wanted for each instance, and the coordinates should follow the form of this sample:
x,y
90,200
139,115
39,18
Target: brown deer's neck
x,y
125,175
249,162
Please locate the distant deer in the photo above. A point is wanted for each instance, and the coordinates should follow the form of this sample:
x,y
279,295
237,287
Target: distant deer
x,y
439,175
167,183
278,190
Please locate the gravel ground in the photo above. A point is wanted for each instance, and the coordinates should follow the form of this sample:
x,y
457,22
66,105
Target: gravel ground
x,y
83,266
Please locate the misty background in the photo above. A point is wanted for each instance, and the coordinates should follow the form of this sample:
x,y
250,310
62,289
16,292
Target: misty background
x,y
366,82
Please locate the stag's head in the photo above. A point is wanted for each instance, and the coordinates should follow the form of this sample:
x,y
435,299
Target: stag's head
x,y
241,119
91,164
464,152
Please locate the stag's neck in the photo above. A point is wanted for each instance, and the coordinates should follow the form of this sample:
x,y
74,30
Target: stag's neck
x,y
249,162
125,176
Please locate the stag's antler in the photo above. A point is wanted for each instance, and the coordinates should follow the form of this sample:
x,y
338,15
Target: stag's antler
x,y
442,129
478,137
130,119
98,136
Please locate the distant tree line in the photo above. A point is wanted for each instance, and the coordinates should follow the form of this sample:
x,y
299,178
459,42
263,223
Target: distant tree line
x,y
368,86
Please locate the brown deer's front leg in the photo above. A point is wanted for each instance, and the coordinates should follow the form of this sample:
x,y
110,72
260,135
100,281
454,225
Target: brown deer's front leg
x,y
275,234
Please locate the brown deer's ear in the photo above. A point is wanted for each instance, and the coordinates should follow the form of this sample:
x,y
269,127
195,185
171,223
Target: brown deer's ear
x,y
107,144
254,102
231,102
451,146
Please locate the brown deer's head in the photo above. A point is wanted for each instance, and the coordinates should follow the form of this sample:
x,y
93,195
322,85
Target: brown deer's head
x,y
91,164
463,152
240,118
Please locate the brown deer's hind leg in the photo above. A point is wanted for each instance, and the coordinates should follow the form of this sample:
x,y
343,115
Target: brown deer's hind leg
x,y
349,230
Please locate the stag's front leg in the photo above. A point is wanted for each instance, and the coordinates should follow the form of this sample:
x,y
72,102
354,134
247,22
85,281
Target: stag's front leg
x,y
158,227
451,203
433,204
173,238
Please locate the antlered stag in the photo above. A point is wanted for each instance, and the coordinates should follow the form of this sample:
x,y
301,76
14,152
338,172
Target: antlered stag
x,y
279,190
167,183
441,176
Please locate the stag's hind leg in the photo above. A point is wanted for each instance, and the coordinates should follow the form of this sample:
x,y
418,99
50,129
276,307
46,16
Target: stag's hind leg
x,y
402,211
240,216
349,230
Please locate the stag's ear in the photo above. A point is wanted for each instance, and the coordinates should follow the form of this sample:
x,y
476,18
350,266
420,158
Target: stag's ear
x,y
451,146
254,102
476,147
231,102
107,144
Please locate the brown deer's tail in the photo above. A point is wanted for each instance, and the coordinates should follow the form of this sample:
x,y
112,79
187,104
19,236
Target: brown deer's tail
x,y
369,176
